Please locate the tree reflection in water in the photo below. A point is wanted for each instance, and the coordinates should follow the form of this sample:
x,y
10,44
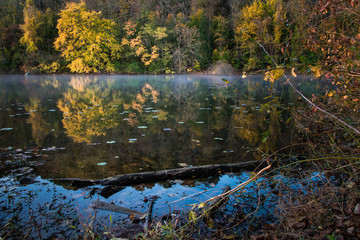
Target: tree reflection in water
x,y
144,123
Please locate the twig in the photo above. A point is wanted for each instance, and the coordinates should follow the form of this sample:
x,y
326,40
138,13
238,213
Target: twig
x,y
239,186
217,203
306,99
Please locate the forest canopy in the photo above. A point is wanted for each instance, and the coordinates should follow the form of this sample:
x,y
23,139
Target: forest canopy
x,y
168,36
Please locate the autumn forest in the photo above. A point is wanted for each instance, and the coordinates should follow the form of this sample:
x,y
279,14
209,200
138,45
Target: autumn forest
x,y
169,36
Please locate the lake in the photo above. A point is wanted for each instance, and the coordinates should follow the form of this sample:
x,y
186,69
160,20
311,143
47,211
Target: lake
x,y
99,126
93,127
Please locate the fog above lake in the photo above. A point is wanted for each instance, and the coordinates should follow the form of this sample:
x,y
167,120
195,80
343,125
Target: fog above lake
x,y
98,126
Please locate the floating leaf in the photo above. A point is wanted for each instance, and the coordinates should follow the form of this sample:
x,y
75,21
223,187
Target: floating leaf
x,y
6,129
228,151
183,165
201,205
293,72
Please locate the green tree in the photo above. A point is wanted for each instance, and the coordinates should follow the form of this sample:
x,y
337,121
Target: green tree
x,y
188,50
11,51
154,34
263,22
38,36
86,41
222,37
201,21
38,28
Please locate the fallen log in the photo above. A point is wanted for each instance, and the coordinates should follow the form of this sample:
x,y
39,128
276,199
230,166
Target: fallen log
x,y
163,175
178,173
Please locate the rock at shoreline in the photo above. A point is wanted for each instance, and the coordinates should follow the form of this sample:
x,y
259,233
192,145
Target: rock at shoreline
x,y
221,68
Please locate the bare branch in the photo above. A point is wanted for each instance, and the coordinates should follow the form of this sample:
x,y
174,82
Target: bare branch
x,y
306,99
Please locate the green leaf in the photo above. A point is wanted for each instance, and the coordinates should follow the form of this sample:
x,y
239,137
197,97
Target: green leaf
x,y
192,216
210,223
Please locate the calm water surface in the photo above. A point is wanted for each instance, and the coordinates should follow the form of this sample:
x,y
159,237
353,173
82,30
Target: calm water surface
x,y
94,127
98,126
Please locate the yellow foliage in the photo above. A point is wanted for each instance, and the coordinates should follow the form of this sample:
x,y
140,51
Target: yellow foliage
x,y
316,70
248,25
86,40
274,74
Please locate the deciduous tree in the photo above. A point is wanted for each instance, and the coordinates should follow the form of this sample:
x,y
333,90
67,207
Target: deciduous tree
x,y
86,40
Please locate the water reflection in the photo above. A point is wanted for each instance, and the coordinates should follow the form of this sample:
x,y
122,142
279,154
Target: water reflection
x,y
142,123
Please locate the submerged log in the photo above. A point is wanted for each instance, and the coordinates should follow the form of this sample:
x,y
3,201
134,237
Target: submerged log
x,y
178,173
149,212
115,208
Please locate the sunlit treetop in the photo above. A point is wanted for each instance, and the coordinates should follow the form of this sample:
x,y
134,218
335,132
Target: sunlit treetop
x,y
86,40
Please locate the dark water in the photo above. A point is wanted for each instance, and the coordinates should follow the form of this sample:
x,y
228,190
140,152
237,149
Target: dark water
x,y
98,126
94,127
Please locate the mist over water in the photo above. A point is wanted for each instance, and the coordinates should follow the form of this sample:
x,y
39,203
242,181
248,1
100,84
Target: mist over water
x,y
96,126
